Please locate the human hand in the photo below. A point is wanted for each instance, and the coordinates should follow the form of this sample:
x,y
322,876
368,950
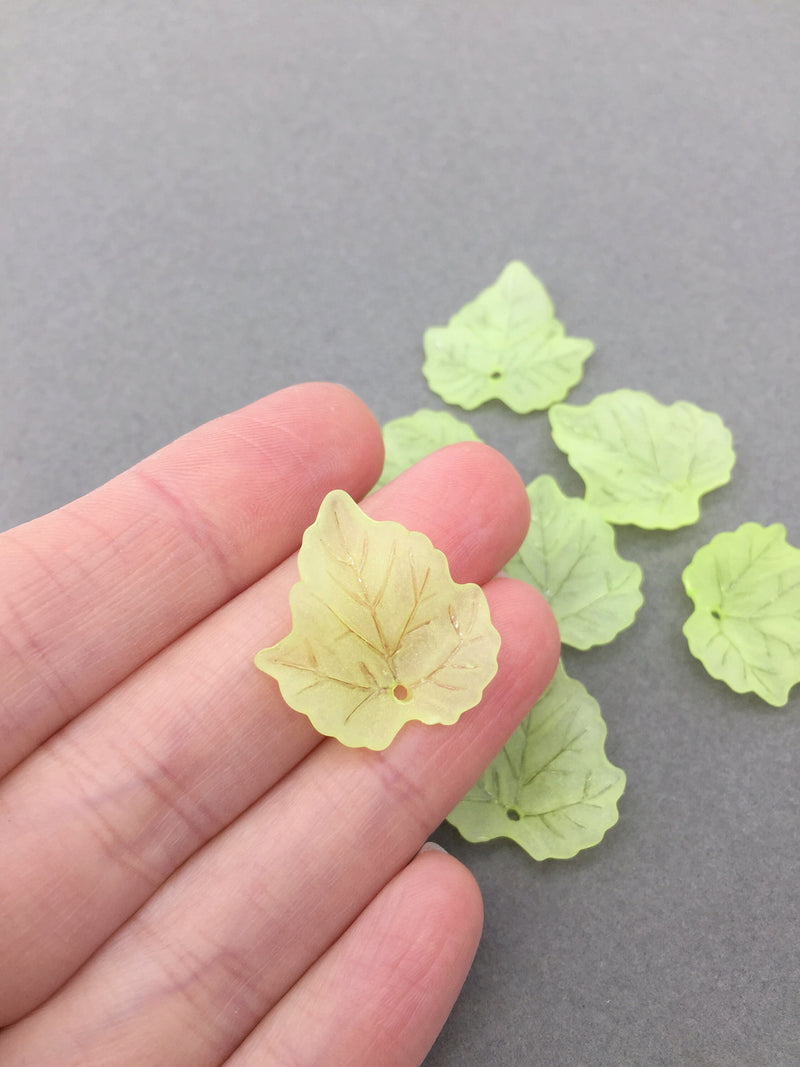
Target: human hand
x,y
189,874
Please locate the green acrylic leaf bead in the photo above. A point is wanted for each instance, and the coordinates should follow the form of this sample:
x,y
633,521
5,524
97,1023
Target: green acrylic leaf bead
x,y
381,634
643,462
569,554
412,437
745,628
551,788
507,345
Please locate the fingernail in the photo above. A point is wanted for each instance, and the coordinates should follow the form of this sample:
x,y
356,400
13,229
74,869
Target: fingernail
x,y
431,846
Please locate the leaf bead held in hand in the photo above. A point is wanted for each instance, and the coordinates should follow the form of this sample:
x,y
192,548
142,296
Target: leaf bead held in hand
x,y
381,634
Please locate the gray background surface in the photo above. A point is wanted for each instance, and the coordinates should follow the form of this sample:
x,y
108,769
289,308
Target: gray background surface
x,y
202,202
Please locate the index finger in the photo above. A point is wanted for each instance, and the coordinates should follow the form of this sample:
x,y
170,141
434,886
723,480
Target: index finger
x,y
93,590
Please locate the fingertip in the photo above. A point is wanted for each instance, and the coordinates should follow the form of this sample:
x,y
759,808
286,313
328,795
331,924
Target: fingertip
x,y
383,991
356,435
534,622
530,642
448,879
499,495
469,499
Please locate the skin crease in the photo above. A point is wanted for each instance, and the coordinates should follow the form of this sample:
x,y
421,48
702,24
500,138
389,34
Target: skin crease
x,y
191,875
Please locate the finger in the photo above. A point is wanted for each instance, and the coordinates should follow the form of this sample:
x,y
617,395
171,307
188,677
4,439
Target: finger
x,y
202,962
104,813
95,589
382,992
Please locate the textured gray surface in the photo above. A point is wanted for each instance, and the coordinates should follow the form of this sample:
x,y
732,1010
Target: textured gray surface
x,y
205,201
